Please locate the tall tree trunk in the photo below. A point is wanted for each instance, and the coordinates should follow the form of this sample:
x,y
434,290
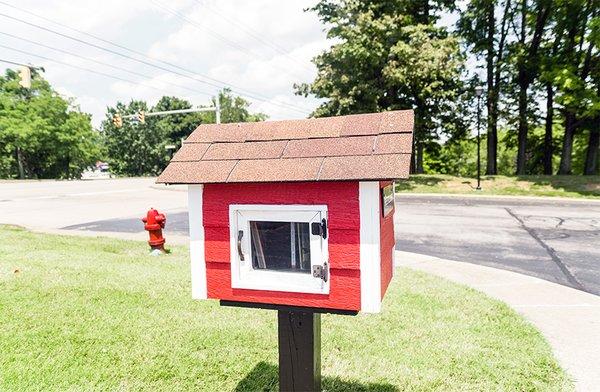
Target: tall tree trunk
x,y
20,163
492,122
548,148
419,168
522,137
521,78
591,158
567,148
494,82
528,67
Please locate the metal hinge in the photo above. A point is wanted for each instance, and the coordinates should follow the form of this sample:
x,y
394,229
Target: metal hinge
x,y
321,271
317,228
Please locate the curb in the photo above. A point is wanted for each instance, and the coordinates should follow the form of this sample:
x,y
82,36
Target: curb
x,y
568,318
499,197
172,188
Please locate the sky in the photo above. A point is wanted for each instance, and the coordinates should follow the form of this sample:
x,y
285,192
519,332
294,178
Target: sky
x,y
260,47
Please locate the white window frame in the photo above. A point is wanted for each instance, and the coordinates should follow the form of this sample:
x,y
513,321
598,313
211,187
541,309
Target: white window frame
x,y
244,276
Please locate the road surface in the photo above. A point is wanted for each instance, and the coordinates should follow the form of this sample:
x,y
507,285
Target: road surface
x,y
555,240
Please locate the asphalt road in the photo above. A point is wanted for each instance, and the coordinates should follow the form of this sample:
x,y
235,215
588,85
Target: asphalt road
x,y
555,240
87,206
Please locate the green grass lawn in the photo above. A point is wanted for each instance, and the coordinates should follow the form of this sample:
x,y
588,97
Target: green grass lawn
x,y
565,186
80,314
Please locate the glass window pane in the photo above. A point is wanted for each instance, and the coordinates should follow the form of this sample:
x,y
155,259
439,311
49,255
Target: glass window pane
x,y
281,246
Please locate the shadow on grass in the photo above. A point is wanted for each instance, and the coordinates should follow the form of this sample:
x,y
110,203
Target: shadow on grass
x,y
418,180
264,377
583,185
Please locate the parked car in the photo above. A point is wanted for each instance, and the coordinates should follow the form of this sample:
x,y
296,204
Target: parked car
x,y
99,172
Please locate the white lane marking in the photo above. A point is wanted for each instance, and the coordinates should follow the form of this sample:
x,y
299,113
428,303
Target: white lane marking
x,y
77,194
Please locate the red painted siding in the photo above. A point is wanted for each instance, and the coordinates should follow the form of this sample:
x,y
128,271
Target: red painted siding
x,y
342,203
386,245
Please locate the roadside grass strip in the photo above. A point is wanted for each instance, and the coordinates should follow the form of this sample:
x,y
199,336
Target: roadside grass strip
x,y
547,186
79,314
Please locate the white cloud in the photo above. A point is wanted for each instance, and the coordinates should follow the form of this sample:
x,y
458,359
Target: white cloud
x,y
87,15
287,39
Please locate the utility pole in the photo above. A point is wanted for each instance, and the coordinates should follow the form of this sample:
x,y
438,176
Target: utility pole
x,y
141,115
218,109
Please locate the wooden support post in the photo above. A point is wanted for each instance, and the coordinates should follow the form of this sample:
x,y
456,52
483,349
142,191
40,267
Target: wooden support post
x,y
299,350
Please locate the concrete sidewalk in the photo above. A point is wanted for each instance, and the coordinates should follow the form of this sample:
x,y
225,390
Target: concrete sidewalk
x,y
569,319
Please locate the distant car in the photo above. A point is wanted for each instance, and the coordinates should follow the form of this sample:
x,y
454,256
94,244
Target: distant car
x,y
99,172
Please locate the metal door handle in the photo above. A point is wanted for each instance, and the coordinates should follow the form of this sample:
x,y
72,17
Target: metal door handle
x,y
239,244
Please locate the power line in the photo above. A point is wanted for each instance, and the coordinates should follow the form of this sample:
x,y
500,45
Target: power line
x,y
209,32
238,90
253,33
13,63
81,68
100,62
214,34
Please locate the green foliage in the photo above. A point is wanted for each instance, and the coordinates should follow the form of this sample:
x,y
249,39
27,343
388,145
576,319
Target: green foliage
x,y
458,158
54,138
134,149
139,149
389,55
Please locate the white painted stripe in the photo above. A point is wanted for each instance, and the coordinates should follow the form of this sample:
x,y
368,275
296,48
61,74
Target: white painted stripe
x,y
198,264
370,255
65,195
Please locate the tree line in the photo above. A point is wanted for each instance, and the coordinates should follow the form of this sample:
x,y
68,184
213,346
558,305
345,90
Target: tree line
x,y
45,135
538,61
541,77
137,149
42,134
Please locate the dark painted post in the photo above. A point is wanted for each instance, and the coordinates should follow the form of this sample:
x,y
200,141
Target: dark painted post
x,y
299,350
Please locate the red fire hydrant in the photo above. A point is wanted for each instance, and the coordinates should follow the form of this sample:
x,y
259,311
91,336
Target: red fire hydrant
x,y
154,222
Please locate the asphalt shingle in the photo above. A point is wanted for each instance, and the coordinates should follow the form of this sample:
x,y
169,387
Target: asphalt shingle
x,y
373,146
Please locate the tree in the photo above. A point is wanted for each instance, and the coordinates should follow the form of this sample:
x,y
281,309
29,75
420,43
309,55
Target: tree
x,y
478,26
426,72
139,149
175,127
134,149
389,55
526,52
577,85
548,55
233,109
42,135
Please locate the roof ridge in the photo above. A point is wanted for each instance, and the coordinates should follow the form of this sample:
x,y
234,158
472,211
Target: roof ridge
x,y
381,113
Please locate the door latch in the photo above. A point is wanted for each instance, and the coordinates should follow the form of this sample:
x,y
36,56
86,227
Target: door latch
x,y
239,244
321,271
317,228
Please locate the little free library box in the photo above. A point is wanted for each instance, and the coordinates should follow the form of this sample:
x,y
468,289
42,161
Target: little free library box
x,y
296,213
296,216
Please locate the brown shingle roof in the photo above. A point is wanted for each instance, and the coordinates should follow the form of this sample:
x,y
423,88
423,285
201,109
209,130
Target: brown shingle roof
x,y
356,147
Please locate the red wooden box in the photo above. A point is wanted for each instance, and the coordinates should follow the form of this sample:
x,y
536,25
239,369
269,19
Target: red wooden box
x,y
283,217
